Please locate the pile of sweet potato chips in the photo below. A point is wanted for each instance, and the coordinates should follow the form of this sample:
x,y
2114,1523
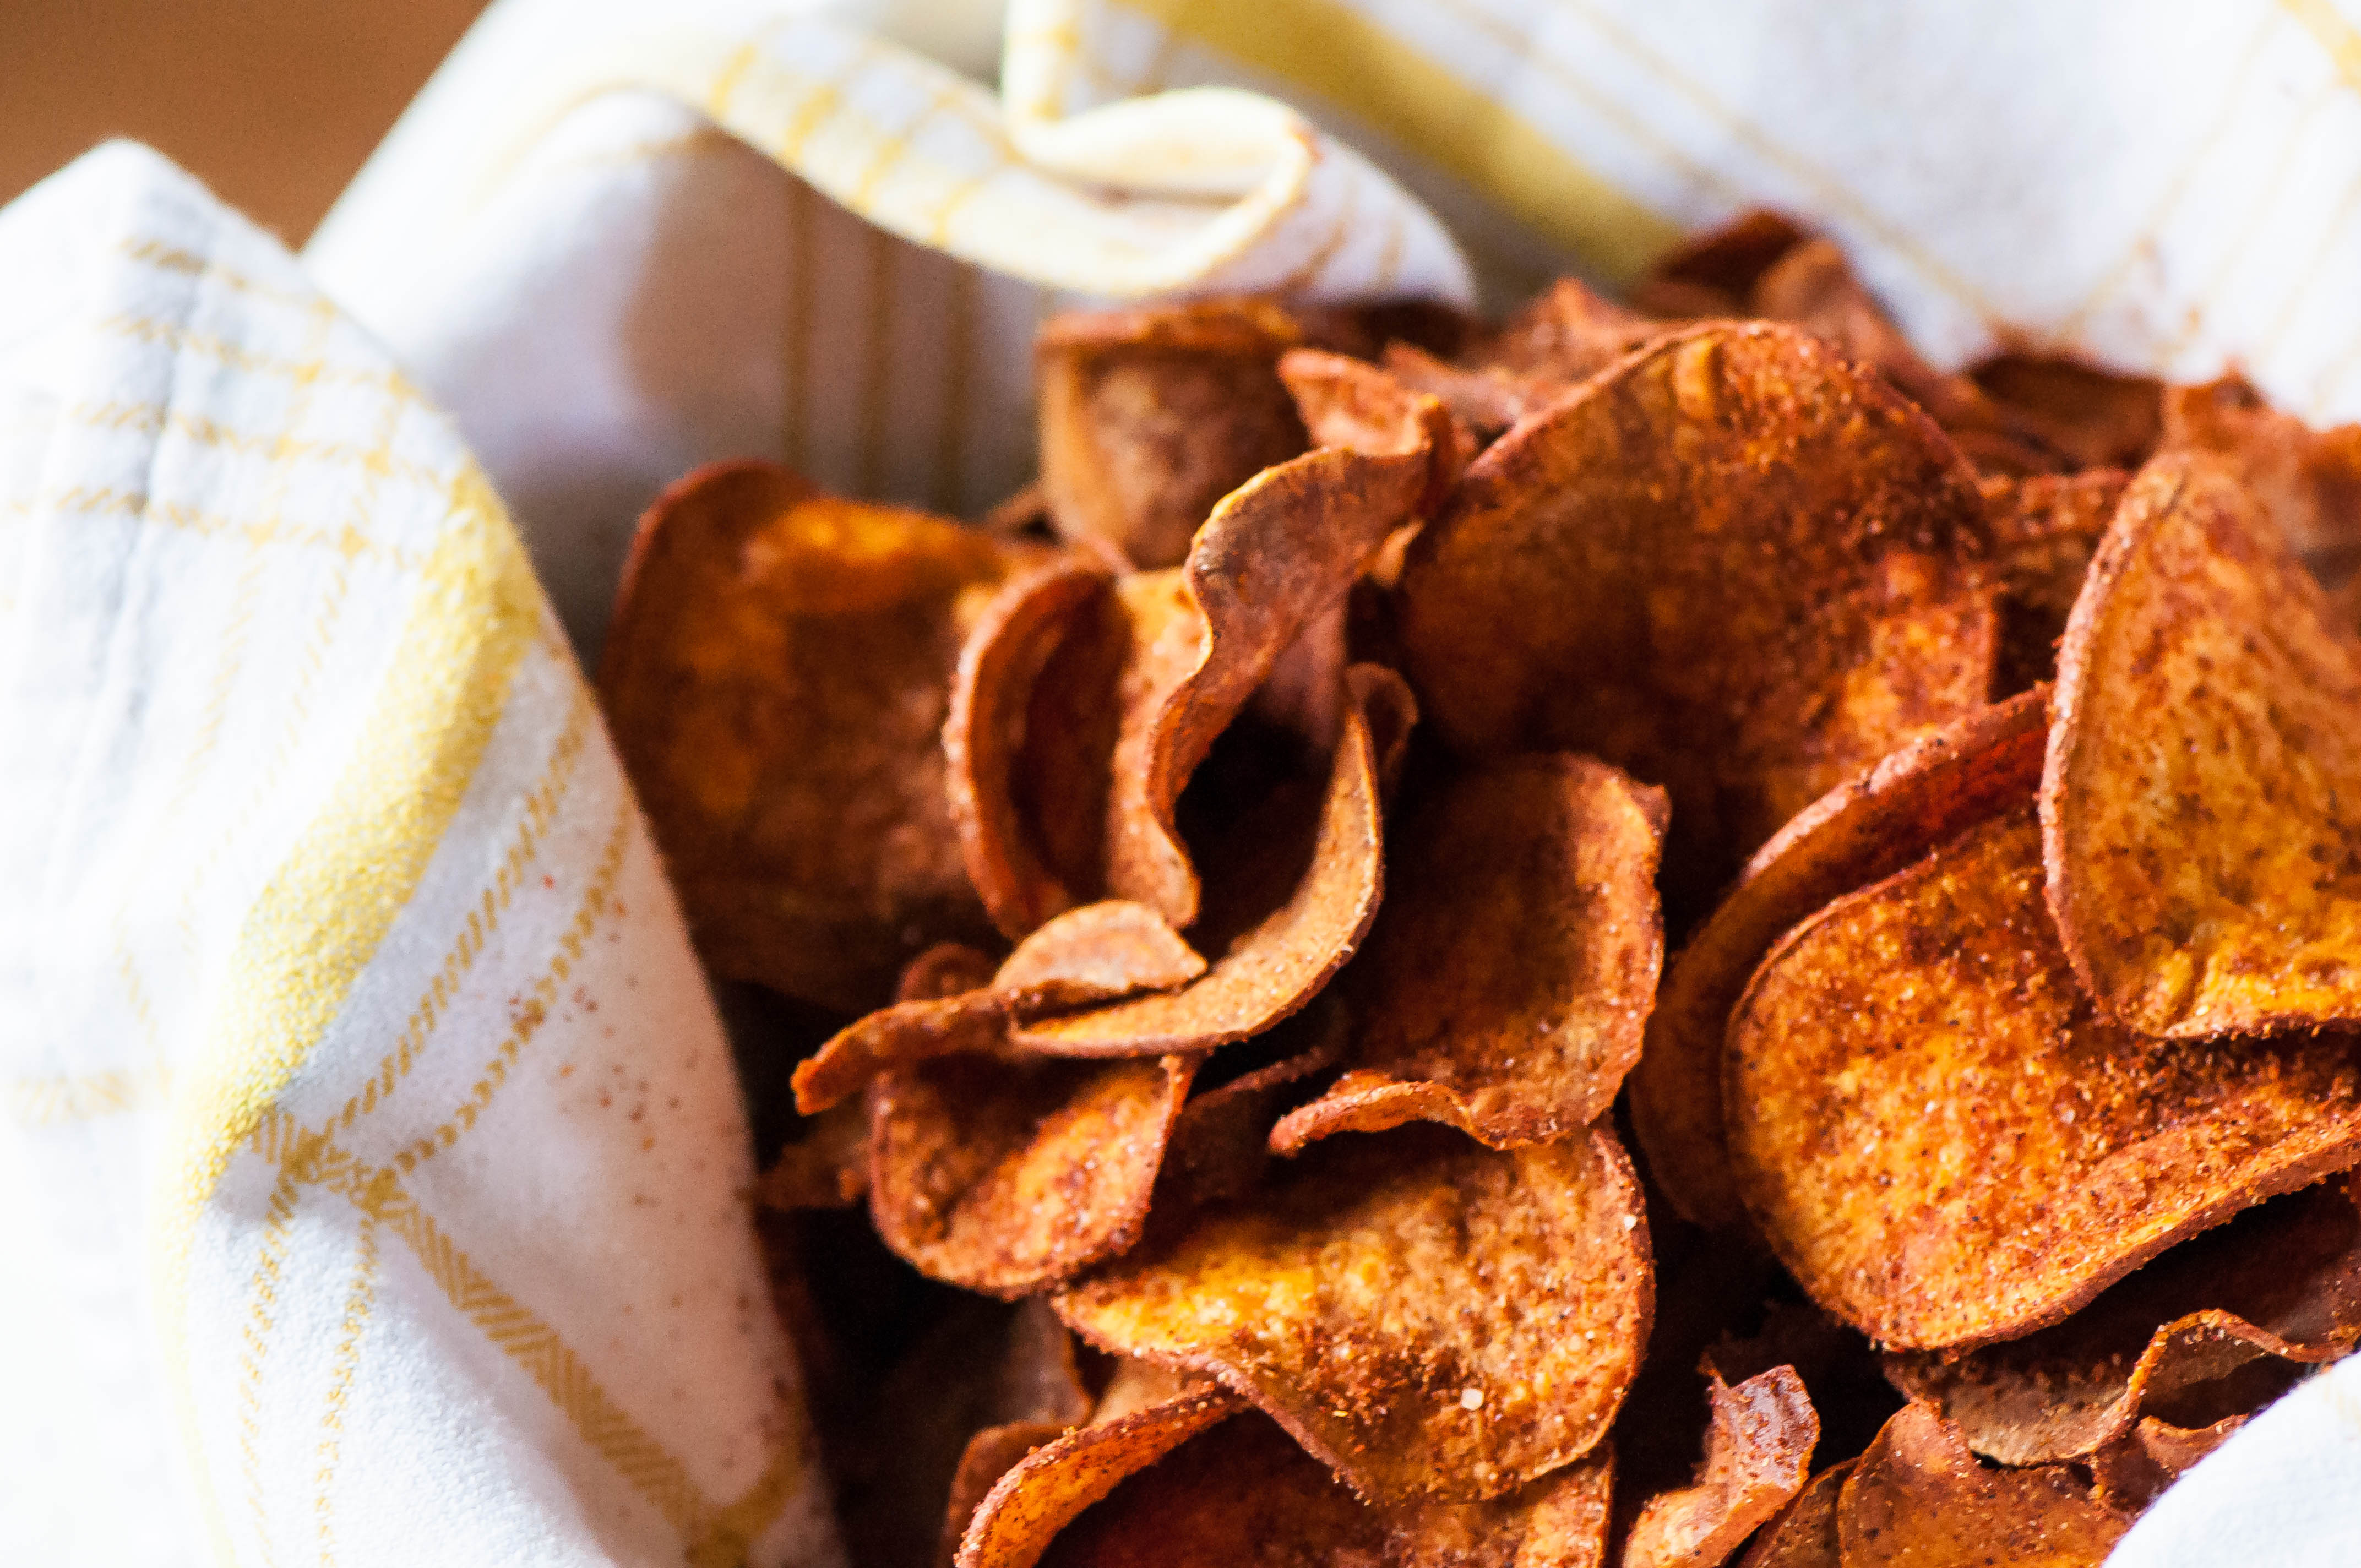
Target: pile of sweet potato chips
x,y
1218,906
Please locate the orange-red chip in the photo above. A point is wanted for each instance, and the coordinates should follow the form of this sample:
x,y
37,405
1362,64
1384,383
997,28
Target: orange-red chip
x,y
1352,403
1151,415
2281,1281
2201,802
1918,1499
775,680
1763,570
1867,828
2307,481
1429,1318
1043,1493
1805,1534
1273,947
985,736
1509,977
2045,529
1244,1493
1947,1147
1004,1177
1758,1455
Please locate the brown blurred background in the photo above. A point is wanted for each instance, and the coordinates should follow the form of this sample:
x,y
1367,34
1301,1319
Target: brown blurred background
x,y
272,102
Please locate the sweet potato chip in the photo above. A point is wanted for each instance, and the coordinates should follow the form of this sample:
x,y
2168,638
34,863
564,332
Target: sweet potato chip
x,y
1918,1498
1092,954
2307,481
775,681
1151,415
1758,1455
2283,1279
1485,399
1566,333
828,1167
1508,976
2201,802
1223,1140
1713,273
1947,1147
1352,403
984,736
2132,1470
1429,1318
1867,828
990,1455
1244,1493
944,970
2094,418
1032,1502
1805,1535
1272,951
1763,571
1004,1177
2045,529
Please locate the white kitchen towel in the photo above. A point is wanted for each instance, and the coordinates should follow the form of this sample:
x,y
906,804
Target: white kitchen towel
x,y
375,1177
252,604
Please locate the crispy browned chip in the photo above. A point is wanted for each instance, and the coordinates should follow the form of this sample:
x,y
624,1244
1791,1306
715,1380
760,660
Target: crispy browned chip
x,y
1032,1502
2095,419
1151,415
1223,1140
775,680
1918,1498
1566,334
1947,1147
985,736
1005,1177
1758,1455
1272,955
1805,1535
1429,1317
1386,700
1486,398
2045,529
990,1455
1508,976
1713,273
2307,481
944,970
2201,802
2281,1281
1353,403
1244,1493
1095,953
1763,570
828,1167
1868,826
2132,1470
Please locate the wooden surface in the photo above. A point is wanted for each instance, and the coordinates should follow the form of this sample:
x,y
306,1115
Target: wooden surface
x,y
272,102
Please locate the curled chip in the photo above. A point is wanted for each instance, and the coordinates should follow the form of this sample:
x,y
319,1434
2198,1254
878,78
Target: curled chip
x,y
2307,481
1223,1140
1244,1493
1508,976
1867,828
1758,1455
2134,1469
1431,1318
1917,1497
1805,1534
1765,570
1485,399
984,741
990,1455
2201,803
2282,1281
1947,1146
1149,416
1032,1502
1352,403
1566,334
1092,954
776,682
1274,947
1713,273
2095,419
2045,529
1005,1177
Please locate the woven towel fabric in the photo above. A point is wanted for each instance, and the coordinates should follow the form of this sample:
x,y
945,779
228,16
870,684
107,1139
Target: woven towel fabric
x,y
377,1173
